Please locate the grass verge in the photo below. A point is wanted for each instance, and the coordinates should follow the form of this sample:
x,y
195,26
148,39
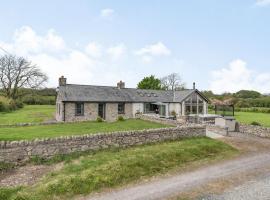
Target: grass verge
x,y
111,168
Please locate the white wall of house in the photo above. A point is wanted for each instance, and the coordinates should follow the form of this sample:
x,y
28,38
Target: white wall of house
x,y
205,108
176,107
137,107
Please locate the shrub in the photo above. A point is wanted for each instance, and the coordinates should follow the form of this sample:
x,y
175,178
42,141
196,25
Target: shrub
x,y
255,123
99,119
121,118
173,113
38,100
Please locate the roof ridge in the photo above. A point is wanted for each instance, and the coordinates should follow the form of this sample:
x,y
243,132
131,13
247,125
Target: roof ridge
x,y
126,87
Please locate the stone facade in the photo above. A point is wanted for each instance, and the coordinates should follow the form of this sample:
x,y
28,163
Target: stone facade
x,y
91,112
111,112
20,151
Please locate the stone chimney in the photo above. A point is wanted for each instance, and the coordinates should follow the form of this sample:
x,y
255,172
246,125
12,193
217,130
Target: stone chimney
x,y
121,85
62,81
194,85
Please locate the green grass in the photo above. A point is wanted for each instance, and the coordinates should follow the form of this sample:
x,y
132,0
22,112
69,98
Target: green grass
x,y
111,168
56,130
249,117
30,113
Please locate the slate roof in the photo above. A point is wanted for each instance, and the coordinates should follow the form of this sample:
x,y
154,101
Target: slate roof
x,y
91,93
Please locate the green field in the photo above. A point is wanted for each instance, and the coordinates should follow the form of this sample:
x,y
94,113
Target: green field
x,y
30,113
249,117
56,130
110,168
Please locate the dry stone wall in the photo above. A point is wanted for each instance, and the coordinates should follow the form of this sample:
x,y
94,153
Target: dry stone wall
x,y
20,151
158,119
255,130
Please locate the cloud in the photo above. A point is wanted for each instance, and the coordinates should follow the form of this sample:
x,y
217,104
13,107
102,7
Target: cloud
x,y
158,49
107,13
94,49
237,76
116,52
154,50
262,2
27,41
51,53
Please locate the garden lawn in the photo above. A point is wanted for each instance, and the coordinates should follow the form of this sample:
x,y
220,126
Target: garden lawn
x,y
29,113
249,117
110,168
79,128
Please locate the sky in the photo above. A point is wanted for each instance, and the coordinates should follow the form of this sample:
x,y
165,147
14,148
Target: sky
x,y
223,46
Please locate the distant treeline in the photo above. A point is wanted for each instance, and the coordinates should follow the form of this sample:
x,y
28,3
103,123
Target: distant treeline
x,y
46,96
244,99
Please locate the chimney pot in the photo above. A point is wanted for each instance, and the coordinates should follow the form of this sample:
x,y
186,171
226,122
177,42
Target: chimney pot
x,y
194,85
121,84
62,81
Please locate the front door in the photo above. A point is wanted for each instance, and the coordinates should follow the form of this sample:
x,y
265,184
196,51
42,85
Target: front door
x,y
101,110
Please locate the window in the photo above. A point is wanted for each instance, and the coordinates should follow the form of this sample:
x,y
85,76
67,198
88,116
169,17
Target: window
x,y
200,110
79,109
121,108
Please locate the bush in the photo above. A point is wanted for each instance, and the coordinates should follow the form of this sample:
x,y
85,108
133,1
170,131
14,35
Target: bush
x,y
253,109
121,118
255,123
38,100
99,119
173,113
8,105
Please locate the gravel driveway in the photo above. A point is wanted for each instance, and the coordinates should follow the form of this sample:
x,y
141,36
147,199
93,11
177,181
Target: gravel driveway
x,y
256,189
255,160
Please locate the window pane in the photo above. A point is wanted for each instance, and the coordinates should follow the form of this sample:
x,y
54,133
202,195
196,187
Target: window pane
x,y
79,109
121,108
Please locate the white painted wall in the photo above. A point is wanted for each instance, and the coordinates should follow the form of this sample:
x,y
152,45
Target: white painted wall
x,y
175,107
137,107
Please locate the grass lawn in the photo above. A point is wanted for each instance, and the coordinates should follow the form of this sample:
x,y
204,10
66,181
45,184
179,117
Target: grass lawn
x,y
30,113
110,168
56,130
248,117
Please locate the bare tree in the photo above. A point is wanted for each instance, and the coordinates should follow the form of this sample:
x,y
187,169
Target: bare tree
x,y
172,82
17,72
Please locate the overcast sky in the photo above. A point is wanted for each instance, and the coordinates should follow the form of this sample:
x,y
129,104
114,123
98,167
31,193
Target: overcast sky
x,y
221,45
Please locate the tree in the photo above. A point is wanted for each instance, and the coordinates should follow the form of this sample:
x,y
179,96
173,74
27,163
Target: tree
x,y
17,72
150,82
172,82
245,94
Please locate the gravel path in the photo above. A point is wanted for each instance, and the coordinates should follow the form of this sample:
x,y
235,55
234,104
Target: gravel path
x,y
166,187
256,189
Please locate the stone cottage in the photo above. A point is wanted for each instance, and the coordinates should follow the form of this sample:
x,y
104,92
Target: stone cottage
x,y
87,102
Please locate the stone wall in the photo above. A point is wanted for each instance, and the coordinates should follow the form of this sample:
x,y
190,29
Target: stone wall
x,y
90,112
111,112
255,130
157,119
21,151
217,129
